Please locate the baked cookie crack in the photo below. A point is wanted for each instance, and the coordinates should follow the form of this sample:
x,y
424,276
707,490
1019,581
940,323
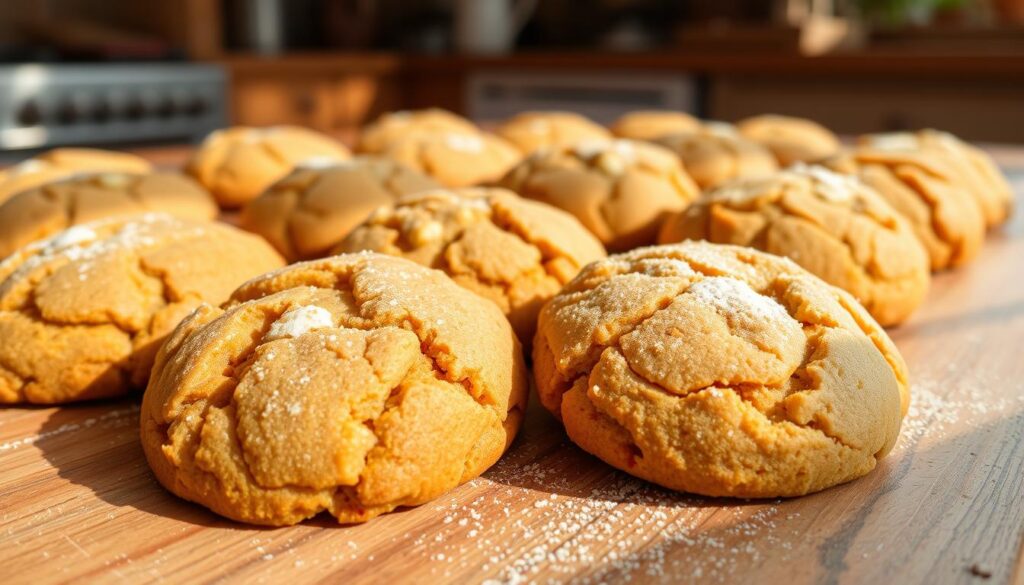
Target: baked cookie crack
x,y
341,377
756,380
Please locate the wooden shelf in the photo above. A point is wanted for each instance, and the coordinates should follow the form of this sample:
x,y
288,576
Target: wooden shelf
x,y
961,65
314,62
873,63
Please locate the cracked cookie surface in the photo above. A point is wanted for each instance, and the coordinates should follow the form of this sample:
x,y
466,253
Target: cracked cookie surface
x,y
237,164
653,124
308,212
389,128
530,131
354,385
719,370
620,190
833,225
790,139
515,252
40,212
83,313
455,159
61,163
972,167
712,157
921,187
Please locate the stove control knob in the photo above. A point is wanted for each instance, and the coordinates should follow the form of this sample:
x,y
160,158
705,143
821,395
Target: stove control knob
x,y
197,107
101,112
166,108
29,114
135,109
68,113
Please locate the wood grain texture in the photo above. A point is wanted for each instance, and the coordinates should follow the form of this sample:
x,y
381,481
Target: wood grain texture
x,y
1006,65
78,502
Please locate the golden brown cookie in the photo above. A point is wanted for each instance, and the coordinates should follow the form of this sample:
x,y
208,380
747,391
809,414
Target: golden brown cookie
x,y
83,313
40,212
239,163
530,131
790,139
354,384
720,370
968,165
61,163
919,185
620,190
653,124
388,129
308,212
712,157
515,252
833,225
455,159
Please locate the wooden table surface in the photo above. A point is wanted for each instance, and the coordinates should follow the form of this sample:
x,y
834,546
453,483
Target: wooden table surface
x,y
78,502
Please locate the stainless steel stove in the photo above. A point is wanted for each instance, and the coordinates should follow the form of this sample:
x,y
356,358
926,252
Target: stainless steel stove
x,y
105,104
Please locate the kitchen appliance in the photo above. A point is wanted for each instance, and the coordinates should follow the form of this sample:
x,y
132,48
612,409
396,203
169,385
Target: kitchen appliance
x,y
43,105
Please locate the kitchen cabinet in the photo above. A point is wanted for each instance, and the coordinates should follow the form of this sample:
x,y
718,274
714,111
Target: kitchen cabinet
x,y
985,110
323,92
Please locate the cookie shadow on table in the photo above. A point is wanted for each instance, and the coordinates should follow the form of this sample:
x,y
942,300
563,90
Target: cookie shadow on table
x,y
544,460
96,445
840,527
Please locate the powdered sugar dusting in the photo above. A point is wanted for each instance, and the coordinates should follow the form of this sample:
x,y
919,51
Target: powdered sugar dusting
x,y
538,126
298,321
72,236
477,201
255,135
430,231
612,157
717,128
464,142
420,216
738,191
28,167
590,149
534,523
948,142
829,185
625,149
114,180
549,513
893,141
323,162
670,267
85,242
732,296
119,417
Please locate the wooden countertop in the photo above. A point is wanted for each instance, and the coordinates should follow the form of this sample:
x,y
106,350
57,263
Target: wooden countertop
x,y
79,503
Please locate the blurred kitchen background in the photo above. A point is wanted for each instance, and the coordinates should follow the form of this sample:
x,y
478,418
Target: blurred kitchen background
x,y
107,72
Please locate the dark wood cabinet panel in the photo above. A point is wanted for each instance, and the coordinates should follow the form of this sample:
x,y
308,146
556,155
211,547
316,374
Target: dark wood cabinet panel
x,y
986,110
